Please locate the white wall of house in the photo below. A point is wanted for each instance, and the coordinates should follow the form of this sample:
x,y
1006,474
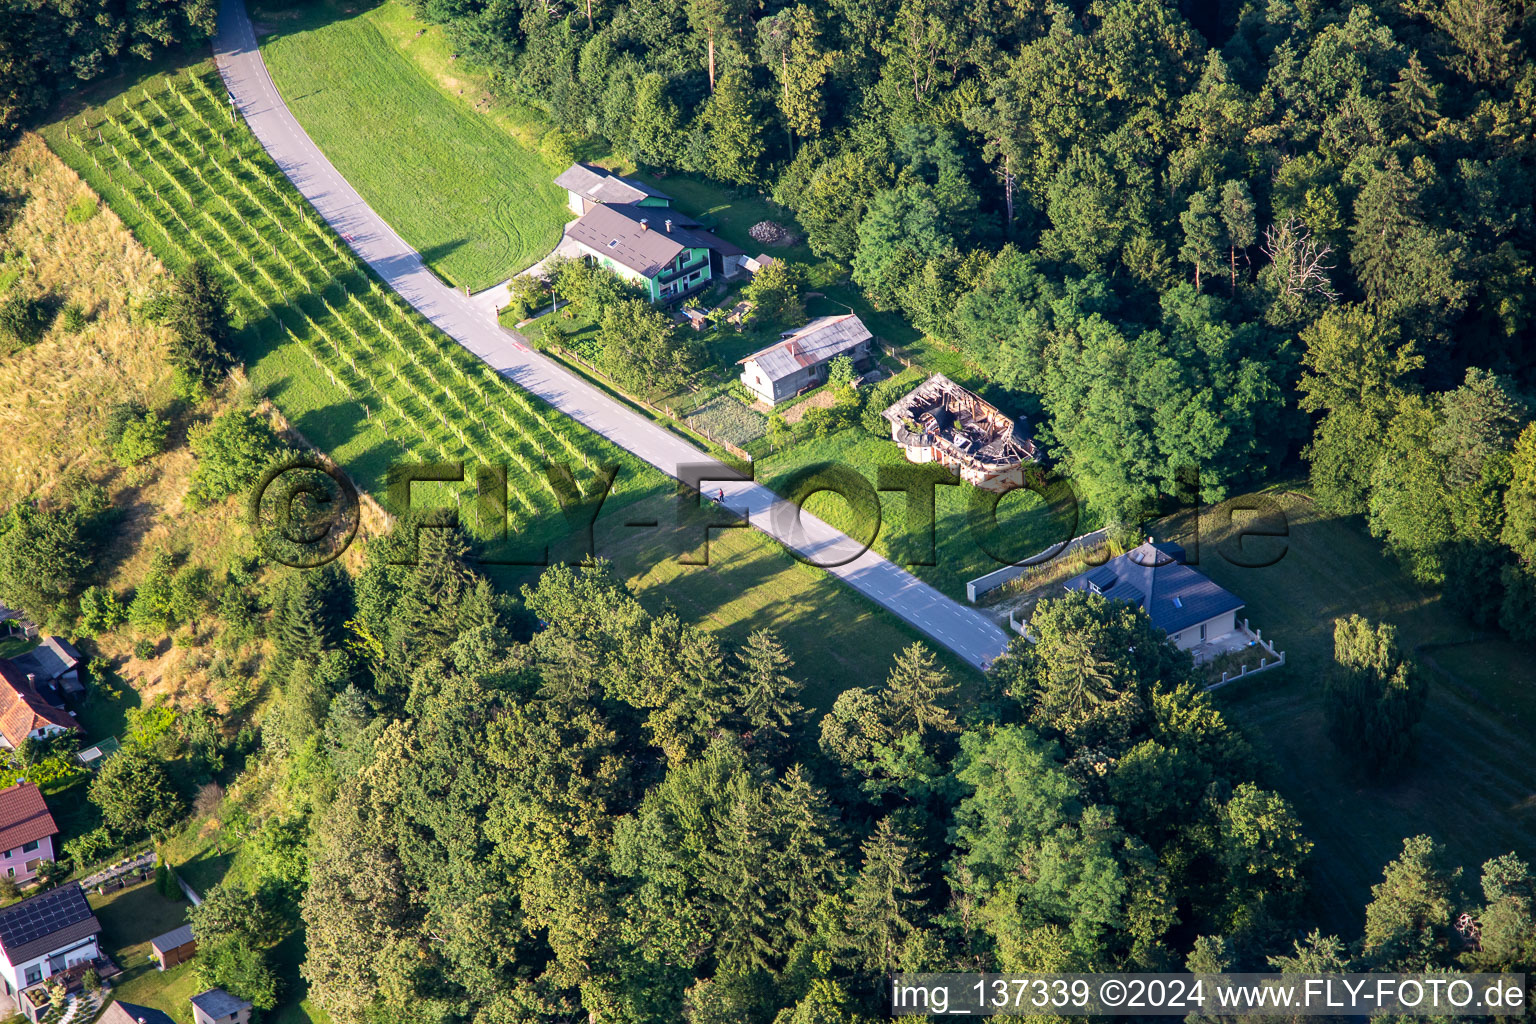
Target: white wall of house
x,y
30,972
1204,632
37,734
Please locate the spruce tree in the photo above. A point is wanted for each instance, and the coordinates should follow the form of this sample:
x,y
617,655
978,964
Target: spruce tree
x,y
916,691
882,901
767,692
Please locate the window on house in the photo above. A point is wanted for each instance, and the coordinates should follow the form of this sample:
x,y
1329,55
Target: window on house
x,y
1177,637
34,975
29,847
1202,631
10,872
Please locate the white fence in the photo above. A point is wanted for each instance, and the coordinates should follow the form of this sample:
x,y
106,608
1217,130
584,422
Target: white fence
x,y
992,580
1274,659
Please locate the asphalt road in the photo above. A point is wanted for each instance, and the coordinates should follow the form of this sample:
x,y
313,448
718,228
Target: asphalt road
x,y
961,629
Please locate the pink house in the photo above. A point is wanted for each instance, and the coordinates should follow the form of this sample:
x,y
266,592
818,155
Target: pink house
x,y
27,832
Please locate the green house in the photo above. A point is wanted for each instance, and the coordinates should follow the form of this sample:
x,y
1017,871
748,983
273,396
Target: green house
x,y
632,230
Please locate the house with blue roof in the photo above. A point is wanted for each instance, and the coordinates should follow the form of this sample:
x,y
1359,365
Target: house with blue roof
x,y
1192,609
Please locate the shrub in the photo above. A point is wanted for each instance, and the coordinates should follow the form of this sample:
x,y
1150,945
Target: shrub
x,y
232,451
8,888
525,296
141,438
144,649
774,292
555,335
93,846
101,610
157,308
558,148
23,319
73,318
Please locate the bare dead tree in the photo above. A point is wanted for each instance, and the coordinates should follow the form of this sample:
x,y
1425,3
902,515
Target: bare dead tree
x,y
1301,261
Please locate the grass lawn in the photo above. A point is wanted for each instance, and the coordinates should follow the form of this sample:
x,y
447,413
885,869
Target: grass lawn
x,y
1473,786
16,646
837,638
477,203
1025,524
130,918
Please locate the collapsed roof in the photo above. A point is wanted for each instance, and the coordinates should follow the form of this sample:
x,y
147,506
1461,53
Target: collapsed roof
x,y
939,413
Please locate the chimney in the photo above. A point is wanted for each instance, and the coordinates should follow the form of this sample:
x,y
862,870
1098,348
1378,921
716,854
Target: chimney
x,y
669,225
645,225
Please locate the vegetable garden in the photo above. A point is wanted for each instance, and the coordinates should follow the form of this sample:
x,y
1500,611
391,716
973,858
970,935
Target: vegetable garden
x,y
184,171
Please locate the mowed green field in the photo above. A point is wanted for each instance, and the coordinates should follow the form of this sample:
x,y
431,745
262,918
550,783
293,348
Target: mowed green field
x,y
478,204
967,542
1473,786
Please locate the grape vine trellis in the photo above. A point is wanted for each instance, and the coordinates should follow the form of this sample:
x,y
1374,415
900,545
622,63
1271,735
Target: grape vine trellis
x,y
195,175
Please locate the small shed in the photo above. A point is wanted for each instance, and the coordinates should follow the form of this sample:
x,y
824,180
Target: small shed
x,y
92,756
174,947
54,660
219,1007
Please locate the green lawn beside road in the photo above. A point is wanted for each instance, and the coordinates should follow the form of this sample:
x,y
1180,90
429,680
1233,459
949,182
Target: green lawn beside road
x,y
477,203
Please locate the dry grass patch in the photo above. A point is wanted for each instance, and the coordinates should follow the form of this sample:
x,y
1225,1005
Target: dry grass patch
x,y
58,391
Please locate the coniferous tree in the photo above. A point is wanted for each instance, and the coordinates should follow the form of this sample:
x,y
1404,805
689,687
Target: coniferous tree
x,y
882,903
767,691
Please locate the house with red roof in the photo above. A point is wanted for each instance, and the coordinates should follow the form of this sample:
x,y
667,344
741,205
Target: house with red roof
x,y
27,832
25,712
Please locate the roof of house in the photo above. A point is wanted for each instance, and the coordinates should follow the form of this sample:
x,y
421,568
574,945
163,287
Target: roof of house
x,y
1155,577
639,239
129,1013
940,412
22,709
824,338
49,659
45,923
603,186
217,1003
172,939
24,816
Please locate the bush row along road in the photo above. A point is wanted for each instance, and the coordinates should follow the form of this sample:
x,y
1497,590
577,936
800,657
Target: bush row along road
x,y
962,630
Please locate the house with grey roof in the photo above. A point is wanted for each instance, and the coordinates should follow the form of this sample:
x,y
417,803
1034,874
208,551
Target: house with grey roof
x,y
129,1013
45,935
631,229
799,359
216,1006
587,185
54,661
1192,609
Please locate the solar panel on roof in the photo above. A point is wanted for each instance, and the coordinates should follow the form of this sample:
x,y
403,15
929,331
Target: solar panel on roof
x,y
41,916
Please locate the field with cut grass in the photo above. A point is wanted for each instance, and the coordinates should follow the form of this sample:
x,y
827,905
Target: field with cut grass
x,y
1473,786
353,368
1024,524
837,638
477,203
